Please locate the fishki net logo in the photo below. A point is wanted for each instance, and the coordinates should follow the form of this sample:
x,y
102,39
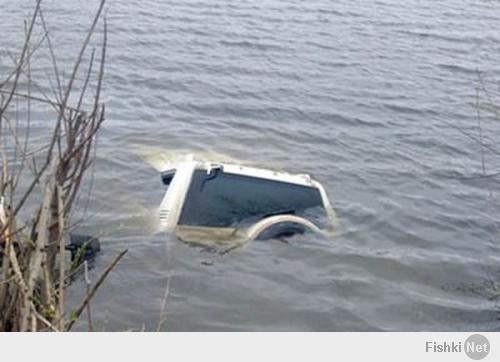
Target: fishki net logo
x,y
475,347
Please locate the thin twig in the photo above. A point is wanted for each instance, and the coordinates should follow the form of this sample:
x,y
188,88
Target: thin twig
x,y
87,282
62,266
43,319
163,317
94,290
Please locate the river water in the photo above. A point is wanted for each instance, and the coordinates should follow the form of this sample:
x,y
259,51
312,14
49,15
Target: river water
x,y
375,99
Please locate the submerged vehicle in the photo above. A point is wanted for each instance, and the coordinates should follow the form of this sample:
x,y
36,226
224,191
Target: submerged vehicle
x,y
223,201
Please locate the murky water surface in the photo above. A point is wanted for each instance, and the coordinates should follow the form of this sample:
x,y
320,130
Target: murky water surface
x,y
367,96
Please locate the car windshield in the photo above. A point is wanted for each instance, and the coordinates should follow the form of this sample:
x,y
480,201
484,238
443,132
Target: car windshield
x,y
221,199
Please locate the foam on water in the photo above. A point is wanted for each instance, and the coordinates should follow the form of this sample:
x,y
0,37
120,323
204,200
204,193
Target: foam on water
x,y
366,96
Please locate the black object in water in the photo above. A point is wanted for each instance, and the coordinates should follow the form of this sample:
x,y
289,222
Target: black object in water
x,y
83,247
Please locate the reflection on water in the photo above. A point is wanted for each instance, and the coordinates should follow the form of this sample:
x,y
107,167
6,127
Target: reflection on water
x,y
364,96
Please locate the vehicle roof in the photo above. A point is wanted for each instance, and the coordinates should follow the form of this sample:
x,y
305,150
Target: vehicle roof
x,y
269,174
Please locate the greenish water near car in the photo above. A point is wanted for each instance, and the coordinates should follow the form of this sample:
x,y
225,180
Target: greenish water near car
x,y
369,97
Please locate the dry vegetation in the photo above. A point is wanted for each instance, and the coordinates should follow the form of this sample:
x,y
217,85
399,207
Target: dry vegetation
x,y
44,181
